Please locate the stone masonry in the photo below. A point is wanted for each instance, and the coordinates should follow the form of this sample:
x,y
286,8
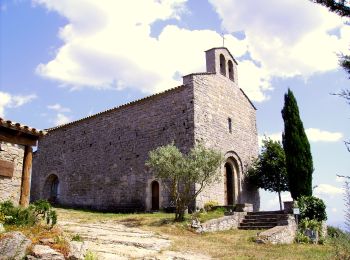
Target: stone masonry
x,y
10,187
99,161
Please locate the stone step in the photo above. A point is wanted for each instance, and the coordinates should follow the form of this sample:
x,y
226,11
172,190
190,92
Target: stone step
x,y
263,220
254,224
255,227
265,213
267,217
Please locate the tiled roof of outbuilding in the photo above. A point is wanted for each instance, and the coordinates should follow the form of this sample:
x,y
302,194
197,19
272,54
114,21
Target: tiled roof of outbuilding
x,y
22,128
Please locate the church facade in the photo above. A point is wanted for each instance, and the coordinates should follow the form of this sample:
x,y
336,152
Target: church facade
x,y
98,162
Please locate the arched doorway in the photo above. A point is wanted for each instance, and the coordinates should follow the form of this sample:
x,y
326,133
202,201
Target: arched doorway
x,y
155,195
51,188
229,187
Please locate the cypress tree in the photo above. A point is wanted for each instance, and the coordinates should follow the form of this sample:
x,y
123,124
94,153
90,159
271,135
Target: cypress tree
x,y
297,149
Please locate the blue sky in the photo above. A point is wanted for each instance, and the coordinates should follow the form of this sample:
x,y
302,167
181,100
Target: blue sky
x,y
63,60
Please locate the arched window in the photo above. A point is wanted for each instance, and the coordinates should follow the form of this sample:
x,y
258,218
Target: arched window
x,y
230,70
222,65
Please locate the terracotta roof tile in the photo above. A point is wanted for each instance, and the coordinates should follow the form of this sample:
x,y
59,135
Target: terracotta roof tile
x,y
22,128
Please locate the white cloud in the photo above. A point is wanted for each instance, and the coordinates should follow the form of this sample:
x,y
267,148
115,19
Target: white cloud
x,y
286,38
317,135
328,190
274,136
102,43
13,101
273,204
59,108
313,134
107,44
334,210
61,119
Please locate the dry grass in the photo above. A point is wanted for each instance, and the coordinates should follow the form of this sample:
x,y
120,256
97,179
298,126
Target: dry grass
x,y
233,244
39,232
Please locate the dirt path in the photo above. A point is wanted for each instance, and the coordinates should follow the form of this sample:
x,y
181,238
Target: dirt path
x,y
110,240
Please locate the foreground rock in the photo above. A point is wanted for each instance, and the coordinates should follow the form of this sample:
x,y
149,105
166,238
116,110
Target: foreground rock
x,y
284,233
13,246
45,252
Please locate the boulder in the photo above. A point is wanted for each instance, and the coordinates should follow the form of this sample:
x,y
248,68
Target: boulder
x,y
46,252
13,245
77,250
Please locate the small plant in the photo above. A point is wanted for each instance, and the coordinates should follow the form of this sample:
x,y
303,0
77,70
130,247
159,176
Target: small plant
x,y
77,238
90,256
208,206
312,208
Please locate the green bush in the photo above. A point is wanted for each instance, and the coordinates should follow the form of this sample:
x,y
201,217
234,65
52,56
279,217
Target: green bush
x,y
19,216
312,208
334,232
208,206
301,238
312,224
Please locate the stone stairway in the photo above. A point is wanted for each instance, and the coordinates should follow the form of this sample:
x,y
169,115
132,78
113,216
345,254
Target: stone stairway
x,y
263,220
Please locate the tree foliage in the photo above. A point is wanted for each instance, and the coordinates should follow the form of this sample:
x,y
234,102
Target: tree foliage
x,y
312,208
340,7
180,172
297,149
269,170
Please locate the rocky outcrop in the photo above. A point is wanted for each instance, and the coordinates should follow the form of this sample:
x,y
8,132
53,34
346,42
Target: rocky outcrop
x,y
13,245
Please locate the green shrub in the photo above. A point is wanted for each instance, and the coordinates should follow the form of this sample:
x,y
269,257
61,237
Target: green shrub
x,y
19,216
301,238
334,232
312,224
312,208
208,206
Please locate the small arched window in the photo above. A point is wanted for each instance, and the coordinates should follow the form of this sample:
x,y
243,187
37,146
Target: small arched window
x,y
230,70
222,65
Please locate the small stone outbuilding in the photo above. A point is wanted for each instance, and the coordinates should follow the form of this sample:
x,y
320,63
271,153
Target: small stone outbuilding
x,y
16,142
98,162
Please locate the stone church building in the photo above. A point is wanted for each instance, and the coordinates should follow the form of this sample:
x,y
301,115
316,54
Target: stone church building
x,y
98,162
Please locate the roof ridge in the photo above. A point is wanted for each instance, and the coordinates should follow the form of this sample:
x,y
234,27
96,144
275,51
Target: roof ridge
x,y
114,108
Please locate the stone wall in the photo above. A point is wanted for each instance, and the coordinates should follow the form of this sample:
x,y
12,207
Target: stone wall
x,y
10,187
216,99
223,223
100,161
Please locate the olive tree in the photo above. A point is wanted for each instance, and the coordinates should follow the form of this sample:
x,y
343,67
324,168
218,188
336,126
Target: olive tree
x,y
180,172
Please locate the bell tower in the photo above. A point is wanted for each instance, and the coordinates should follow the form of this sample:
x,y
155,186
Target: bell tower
x,y
220,61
